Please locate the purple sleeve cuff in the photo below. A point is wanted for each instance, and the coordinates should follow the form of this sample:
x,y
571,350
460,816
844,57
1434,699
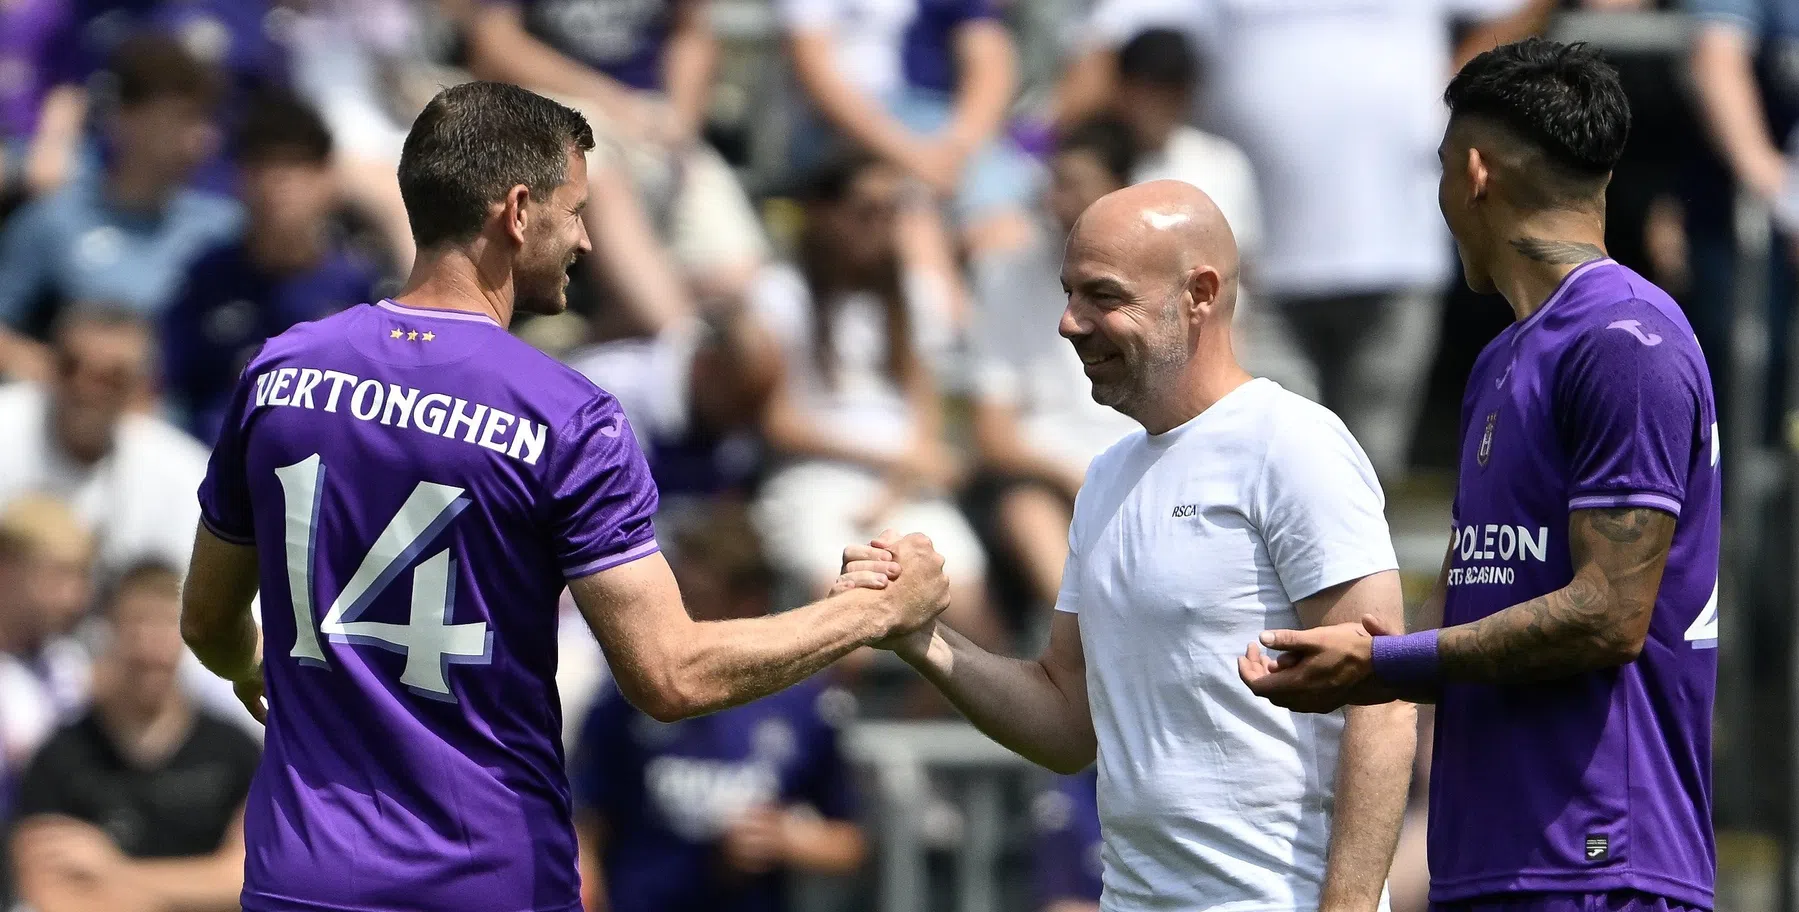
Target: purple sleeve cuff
x,y
588,568
1407,661
1648,499
219,532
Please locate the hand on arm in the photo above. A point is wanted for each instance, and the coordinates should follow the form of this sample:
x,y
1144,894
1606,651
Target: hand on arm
x,y
863,119
673,667
215,616
1036,708
1599,620
767,837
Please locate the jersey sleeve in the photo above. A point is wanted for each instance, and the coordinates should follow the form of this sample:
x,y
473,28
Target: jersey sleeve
x,y
225,491
1319,506
1627,409
602,498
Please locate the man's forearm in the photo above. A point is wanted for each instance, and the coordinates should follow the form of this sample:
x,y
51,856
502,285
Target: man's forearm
x,y
989,77
728,663
692,56
1374,771
1016,702
1569,631
209,883
229,651
1730,100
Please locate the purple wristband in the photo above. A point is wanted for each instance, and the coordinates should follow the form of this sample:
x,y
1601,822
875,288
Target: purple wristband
x,y
1407,661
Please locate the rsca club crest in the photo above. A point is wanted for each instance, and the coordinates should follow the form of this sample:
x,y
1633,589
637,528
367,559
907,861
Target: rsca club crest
x,y
1486,441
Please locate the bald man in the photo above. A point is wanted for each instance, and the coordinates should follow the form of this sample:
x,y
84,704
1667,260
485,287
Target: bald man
x,y
1239,507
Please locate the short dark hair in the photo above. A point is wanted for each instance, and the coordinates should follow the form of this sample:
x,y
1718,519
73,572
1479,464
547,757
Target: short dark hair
x,y
725,540
1106,138
471,145
154,574
1564,99
830,181
1159,57
279,126
150,67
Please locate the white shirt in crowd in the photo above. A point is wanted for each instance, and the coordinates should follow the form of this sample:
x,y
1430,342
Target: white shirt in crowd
x,y
860,399
1218,167
1211,798
868,35
1339,104
1022,361
140,501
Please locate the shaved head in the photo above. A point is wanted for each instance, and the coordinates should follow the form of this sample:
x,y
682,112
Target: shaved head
x,y
1151,276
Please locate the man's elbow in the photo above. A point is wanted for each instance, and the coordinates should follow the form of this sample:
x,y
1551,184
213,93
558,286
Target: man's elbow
x,y
1073,756
669,698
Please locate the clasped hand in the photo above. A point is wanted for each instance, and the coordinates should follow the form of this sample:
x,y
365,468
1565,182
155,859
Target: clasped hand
x,y
912,570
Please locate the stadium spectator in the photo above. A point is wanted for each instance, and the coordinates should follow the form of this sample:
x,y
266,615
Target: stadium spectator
x,y
369,67
1067,862
1314,93
925,85
694,392
288,268
127,236
641,72
712,815
83,437
1158,74
138,804
46,557
28,33
856,416
1749,101
1036,425
243,40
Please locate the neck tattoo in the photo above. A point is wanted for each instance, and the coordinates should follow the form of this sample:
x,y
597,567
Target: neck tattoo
x,y
1560,253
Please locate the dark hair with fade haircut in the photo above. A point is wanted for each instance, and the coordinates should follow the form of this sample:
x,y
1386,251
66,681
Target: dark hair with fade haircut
x,y
150,67
280,127
471,145
1562,98
1159,57
1108,139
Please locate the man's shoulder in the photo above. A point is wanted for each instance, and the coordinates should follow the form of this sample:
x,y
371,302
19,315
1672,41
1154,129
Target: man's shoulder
x,y
1616,312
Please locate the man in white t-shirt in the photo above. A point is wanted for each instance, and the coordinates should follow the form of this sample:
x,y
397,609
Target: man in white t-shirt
x,y
1337,102
1238,507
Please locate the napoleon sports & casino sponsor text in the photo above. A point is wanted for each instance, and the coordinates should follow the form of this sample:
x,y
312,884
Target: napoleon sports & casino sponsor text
x,y
1494,541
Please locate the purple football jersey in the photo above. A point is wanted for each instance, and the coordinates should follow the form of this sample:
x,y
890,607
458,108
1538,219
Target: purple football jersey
x,y
418,485
1601,781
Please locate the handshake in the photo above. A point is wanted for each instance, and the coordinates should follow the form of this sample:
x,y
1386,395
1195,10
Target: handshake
x,y
908,572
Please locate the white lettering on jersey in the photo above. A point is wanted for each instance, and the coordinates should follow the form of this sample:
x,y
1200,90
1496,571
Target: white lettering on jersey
x,y
403,406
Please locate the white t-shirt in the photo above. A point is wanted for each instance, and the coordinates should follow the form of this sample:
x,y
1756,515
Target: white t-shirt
x,y
1218,167
1020,360
1184,548
860,399
1339,104
140,500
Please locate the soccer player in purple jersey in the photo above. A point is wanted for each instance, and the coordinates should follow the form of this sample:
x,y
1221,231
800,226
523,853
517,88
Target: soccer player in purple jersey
x,y
1569,643
410,487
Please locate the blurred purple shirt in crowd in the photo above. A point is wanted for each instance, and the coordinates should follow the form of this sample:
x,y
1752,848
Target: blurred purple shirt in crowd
x,y
28,33
1602,781
668,793
622,38
419,484
1067,859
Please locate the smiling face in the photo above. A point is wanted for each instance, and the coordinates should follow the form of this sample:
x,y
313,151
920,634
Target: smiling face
x,y
555,237
1126,322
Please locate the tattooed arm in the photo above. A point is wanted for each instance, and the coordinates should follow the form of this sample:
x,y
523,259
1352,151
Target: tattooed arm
x,y
1599,620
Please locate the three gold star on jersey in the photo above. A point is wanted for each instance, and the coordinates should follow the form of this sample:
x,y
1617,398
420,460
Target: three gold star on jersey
x,y
411,335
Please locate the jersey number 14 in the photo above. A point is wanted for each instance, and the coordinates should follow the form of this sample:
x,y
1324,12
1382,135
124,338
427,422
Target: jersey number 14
x,y
428,640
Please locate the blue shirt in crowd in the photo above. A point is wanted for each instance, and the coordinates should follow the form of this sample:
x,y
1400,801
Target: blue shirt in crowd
x,y
229,306
75,246
669,792
1068,842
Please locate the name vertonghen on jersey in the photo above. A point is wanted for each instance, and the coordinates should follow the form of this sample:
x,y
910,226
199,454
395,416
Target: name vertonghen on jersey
x,y
404,406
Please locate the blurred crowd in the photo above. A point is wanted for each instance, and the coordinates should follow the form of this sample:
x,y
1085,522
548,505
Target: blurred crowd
x,y
824,286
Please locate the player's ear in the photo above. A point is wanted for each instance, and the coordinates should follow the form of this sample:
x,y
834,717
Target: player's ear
x,y
1478,173
513,215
